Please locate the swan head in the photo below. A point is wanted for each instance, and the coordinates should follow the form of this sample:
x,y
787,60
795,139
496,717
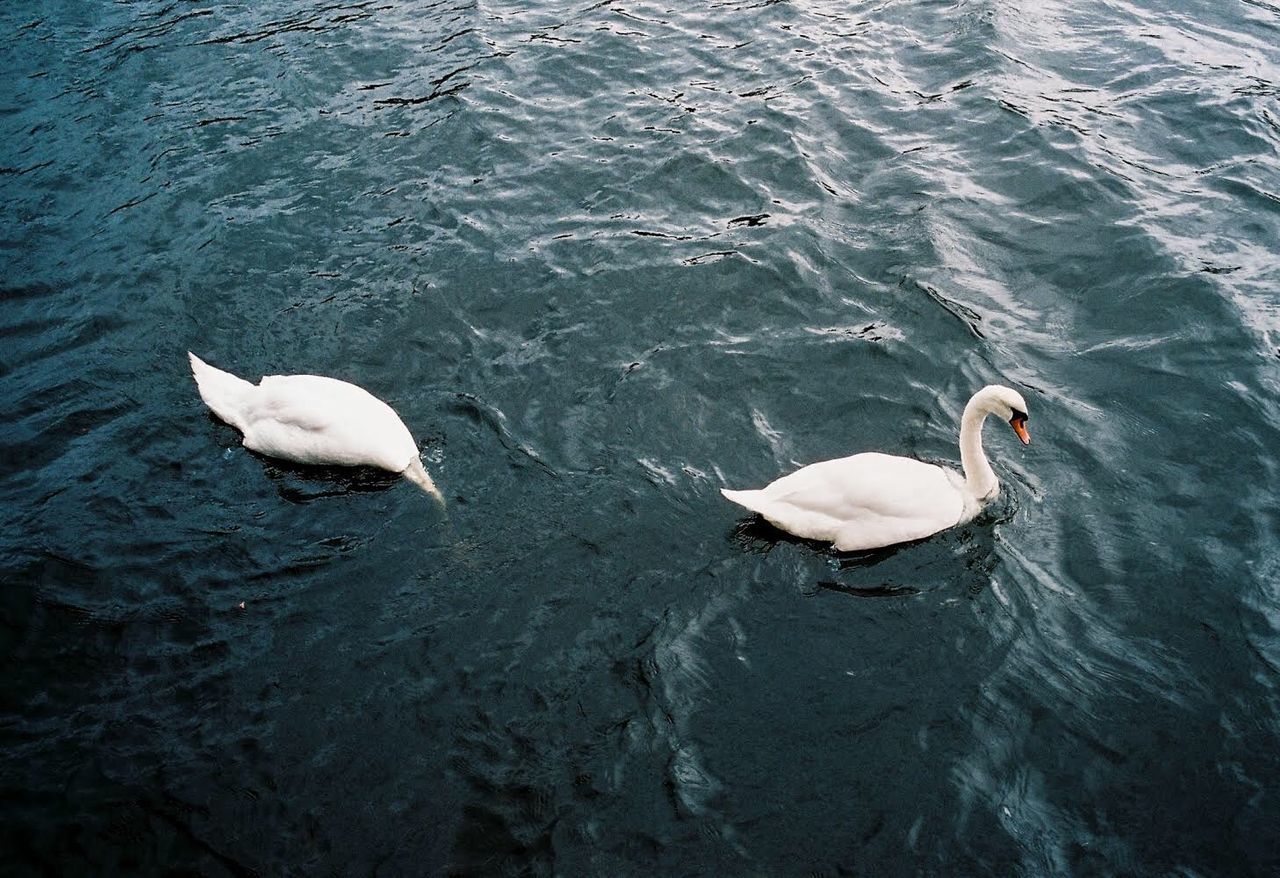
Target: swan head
x,y
1007,404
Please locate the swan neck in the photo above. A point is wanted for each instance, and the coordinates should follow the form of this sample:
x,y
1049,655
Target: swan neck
x,y
979,477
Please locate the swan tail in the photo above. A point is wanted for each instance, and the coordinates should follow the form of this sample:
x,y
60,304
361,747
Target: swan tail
x,y
224,393
417,473
746,499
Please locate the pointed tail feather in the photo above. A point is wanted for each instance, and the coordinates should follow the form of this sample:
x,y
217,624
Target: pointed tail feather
x,y
222,392
746,499
417,473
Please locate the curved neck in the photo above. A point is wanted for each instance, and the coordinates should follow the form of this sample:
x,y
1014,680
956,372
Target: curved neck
x,y
979,477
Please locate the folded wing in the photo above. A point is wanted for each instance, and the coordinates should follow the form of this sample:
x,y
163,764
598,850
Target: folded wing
x,y
860,502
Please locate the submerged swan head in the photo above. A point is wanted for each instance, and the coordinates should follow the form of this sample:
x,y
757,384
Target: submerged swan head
x,y
1007,404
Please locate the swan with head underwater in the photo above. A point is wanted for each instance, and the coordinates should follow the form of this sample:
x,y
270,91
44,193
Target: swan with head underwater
x,y
315,420
873,500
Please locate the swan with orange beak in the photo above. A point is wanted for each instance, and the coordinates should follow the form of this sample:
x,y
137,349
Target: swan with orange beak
x,y
872,500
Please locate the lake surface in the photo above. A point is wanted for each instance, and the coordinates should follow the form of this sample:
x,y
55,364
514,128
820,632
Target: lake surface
x,y
605,258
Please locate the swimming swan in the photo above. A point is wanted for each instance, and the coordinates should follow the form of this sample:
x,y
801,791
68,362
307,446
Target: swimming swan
x,y
872,500
311,419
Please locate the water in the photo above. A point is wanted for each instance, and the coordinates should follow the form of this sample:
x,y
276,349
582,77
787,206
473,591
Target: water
x,y
603,259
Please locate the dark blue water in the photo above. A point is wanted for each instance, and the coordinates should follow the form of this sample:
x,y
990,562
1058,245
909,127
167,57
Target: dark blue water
x,y
604,258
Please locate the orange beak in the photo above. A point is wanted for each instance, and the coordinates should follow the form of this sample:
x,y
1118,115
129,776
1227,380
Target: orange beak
x,y
1020,427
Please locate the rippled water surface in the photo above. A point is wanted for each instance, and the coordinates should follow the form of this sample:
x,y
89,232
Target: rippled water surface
x,y
605,258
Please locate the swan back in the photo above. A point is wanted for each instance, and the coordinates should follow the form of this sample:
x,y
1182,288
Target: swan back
x,y
313,419
861,502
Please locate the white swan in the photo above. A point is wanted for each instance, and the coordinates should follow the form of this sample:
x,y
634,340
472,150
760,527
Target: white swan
x,y
311,419
871,500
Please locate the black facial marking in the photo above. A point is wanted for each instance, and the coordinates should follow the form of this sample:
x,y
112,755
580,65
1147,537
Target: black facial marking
x,y
1018,416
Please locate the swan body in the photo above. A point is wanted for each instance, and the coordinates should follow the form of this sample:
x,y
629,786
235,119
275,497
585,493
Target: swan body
x,y
872,500
315,420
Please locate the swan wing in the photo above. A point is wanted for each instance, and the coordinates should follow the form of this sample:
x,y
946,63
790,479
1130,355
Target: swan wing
x,y
313,419
860,502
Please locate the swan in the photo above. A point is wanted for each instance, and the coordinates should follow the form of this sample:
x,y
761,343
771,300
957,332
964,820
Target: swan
x,y
312,419
872,500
